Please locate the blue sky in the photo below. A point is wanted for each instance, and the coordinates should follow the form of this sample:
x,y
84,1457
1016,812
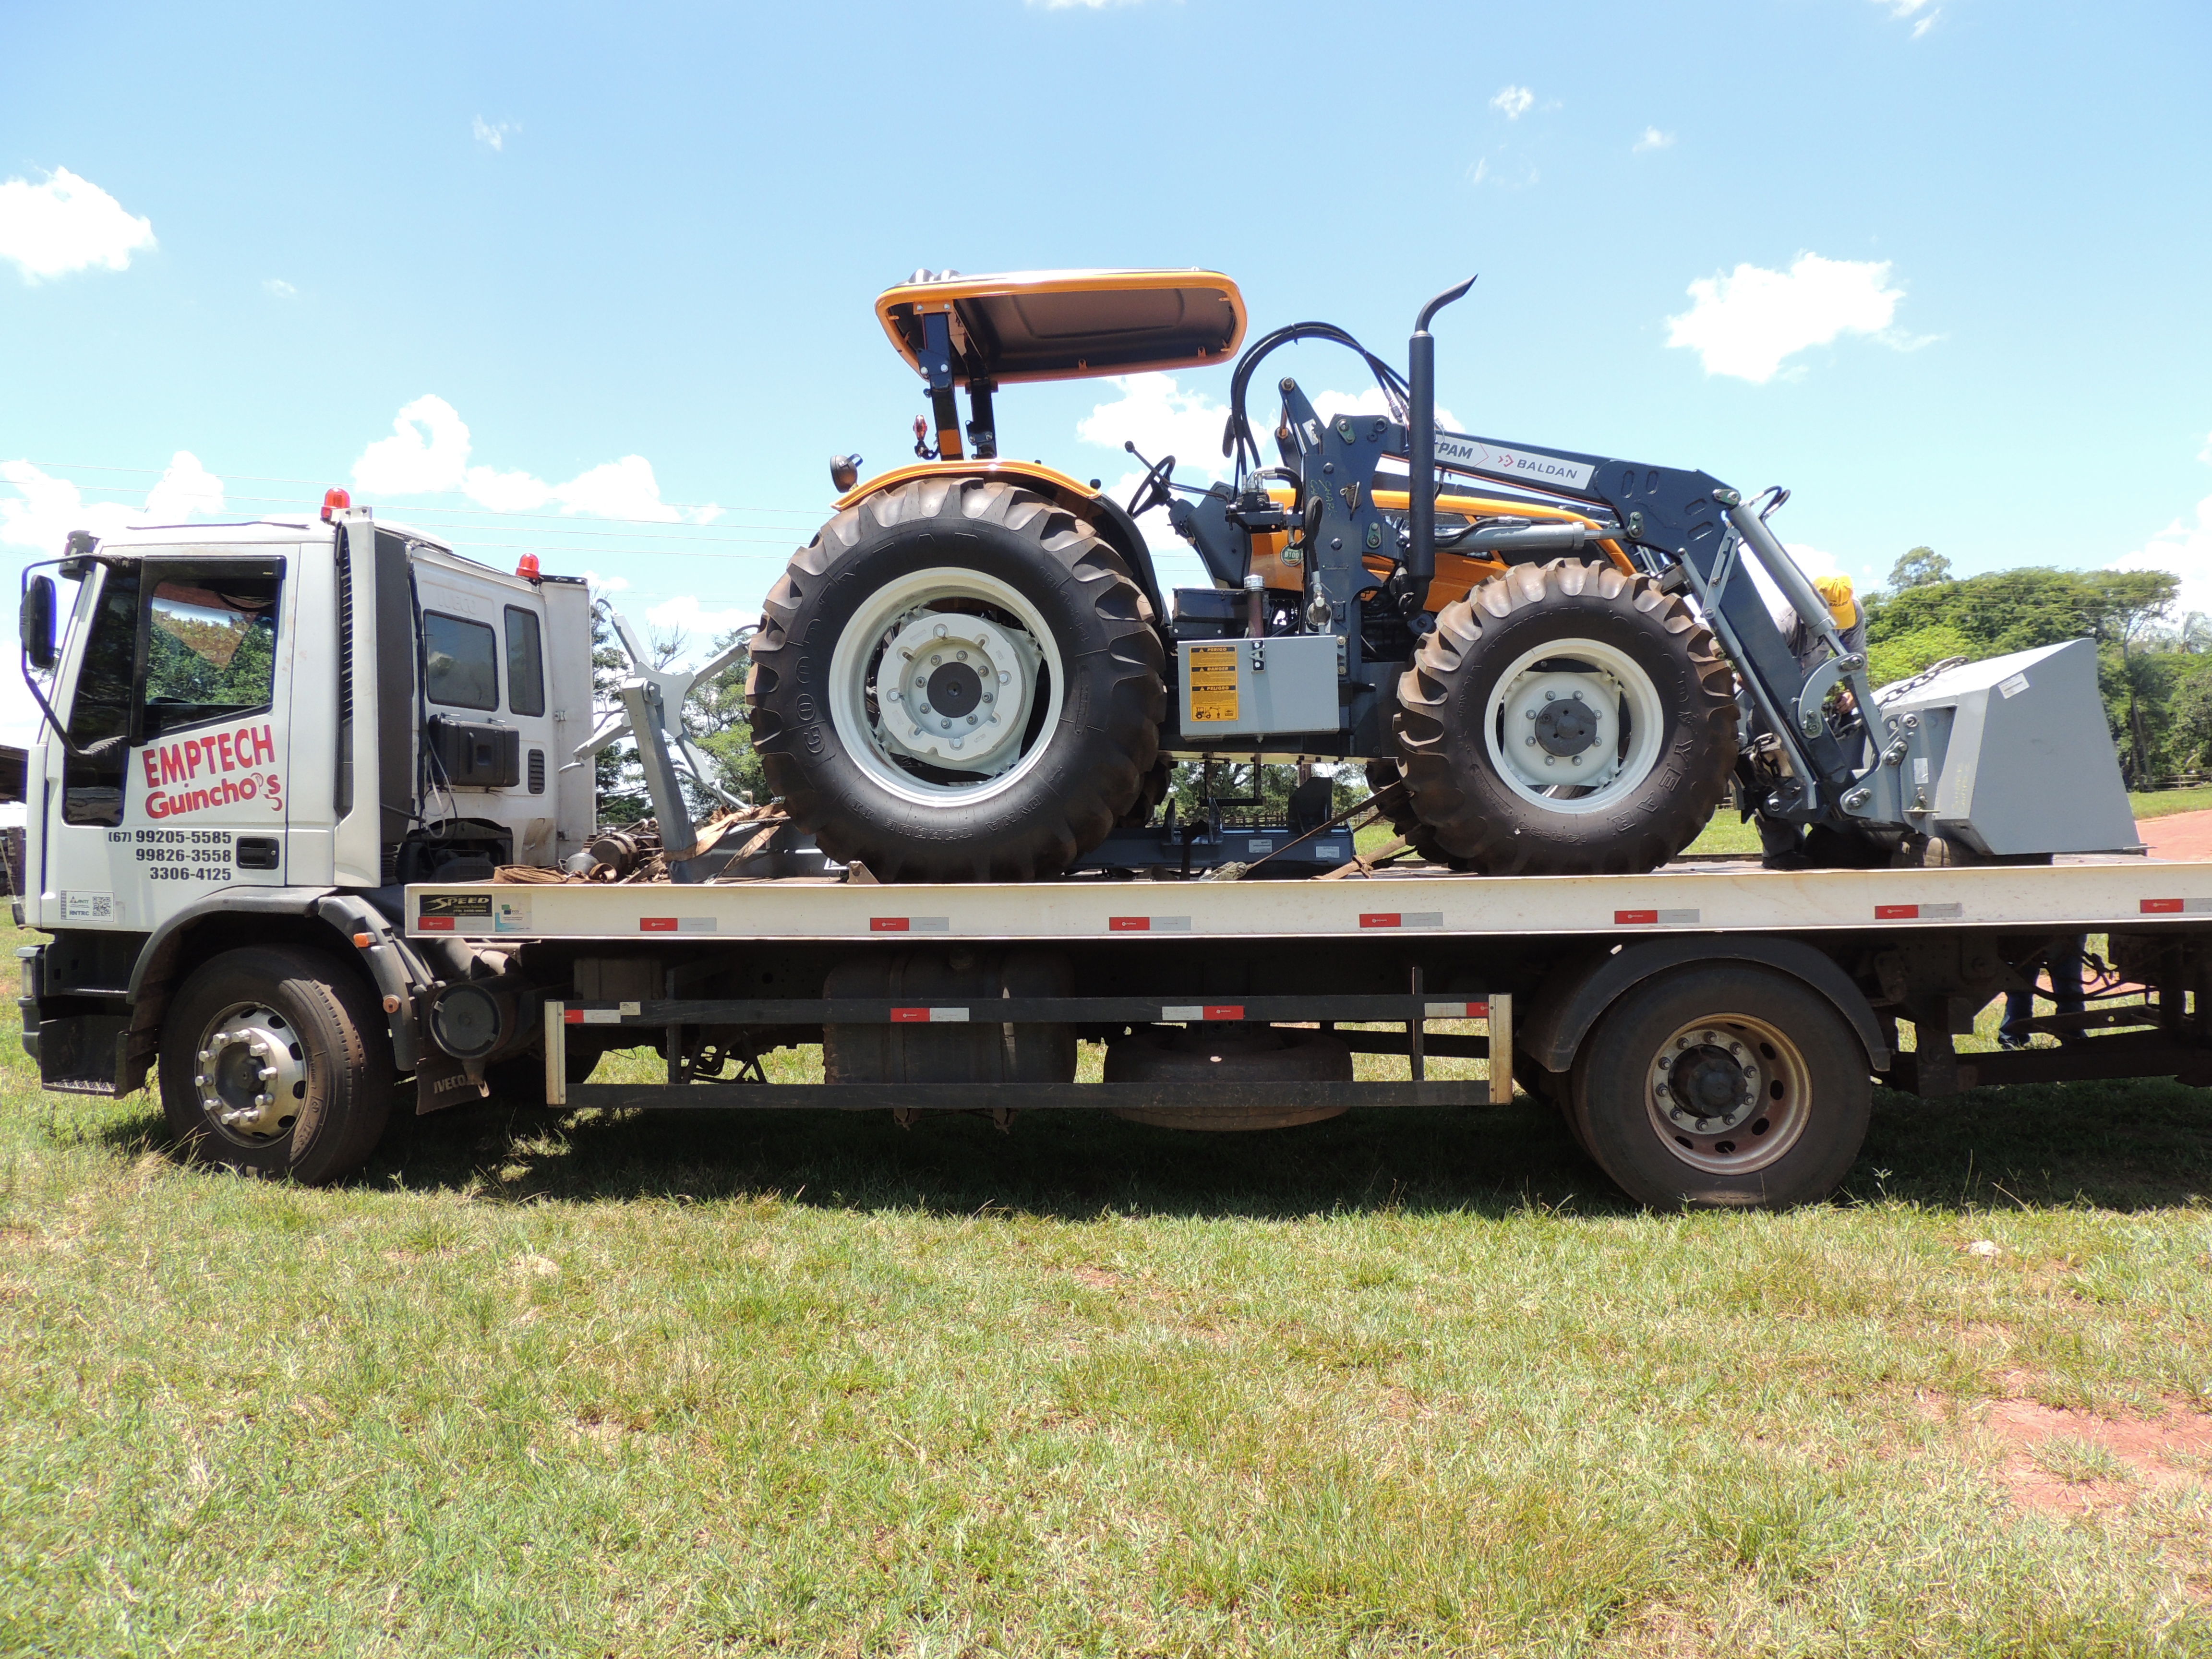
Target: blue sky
x,y
1939,266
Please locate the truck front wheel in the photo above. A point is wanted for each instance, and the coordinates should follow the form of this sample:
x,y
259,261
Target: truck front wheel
x,y
274,1060
1722,1085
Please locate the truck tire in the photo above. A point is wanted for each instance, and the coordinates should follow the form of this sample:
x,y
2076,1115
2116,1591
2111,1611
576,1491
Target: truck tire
x,y
1387,785
1722,1085
313,1103
1567,719
998,618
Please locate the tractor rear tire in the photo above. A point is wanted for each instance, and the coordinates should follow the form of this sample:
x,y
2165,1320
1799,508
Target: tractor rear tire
x,y
1035,645
1567,719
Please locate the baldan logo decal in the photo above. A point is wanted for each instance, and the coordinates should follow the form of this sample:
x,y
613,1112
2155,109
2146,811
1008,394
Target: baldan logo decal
x,y
231,762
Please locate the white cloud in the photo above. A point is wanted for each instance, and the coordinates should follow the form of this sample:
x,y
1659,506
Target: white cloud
x,y
617,489
2205,453
67,224
43,511
427,454
495,134
1901,9
1511,173
1652,139
2182,549
281,289
684,614
1330,404
187,489
1513,102
607,584
1161,419
1746,322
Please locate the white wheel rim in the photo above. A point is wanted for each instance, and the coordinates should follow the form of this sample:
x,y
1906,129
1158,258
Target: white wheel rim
x,y
1728,1095
986,650
251,1074
1578,734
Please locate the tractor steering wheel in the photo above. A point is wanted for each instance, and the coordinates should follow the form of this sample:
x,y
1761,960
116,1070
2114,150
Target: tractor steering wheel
x,y
1153,484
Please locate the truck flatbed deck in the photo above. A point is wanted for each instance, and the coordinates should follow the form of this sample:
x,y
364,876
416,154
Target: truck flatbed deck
x,y
2072,894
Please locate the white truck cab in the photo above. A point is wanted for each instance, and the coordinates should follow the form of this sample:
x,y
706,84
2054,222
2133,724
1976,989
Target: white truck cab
x,y
257,733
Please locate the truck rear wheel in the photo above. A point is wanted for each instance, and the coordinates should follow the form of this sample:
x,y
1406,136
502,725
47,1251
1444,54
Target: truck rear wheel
x,y
1567,719
1724,1085
958,681
274,1060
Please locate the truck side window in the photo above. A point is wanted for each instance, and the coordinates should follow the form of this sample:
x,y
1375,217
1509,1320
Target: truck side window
x,y
525,669
460,662
210,647
92,785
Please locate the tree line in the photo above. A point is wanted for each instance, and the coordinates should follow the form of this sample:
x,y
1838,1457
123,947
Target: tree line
x,y
2154,663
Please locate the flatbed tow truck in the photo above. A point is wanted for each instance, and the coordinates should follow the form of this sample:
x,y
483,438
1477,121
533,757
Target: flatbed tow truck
x,y
311,815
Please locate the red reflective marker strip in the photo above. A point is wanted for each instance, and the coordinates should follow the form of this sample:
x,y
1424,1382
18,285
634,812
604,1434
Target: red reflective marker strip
x,y
1224,1010
445,924
909,1016
1378,918
1896,912
1634,918
656,924
1128,924
571,1016
2150,908
887,923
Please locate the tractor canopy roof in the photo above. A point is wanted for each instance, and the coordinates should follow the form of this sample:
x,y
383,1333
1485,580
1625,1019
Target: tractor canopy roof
x,y
1068,325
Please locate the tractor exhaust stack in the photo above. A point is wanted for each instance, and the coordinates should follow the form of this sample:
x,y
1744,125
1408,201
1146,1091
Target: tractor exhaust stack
x,y
1421,462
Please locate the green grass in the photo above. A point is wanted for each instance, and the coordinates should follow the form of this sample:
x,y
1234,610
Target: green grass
x,y
1411,1382
2164,803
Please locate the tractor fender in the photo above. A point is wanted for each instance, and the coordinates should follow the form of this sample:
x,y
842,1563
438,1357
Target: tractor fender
x,y
1103,514
1572,997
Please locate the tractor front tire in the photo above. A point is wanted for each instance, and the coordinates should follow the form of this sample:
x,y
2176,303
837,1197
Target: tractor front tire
x,y
957,680
1567,719
1387,785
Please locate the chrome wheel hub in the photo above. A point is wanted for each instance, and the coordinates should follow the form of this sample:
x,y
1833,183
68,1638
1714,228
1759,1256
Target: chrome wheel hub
x,y
1730,1094
251,1075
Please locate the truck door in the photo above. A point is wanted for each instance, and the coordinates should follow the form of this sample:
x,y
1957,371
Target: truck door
x,y
179,701
484,667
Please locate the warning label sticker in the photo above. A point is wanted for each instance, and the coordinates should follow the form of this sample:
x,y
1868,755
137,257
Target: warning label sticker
x,y
1212,683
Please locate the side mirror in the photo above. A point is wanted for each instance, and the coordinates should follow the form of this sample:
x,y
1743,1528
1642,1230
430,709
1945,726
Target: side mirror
x,y
38,623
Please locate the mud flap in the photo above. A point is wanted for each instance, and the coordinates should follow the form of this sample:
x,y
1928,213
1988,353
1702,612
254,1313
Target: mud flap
x,y
442,1081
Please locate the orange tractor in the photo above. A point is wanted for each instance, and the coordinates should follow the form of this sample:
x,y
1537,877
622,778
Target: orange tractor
x,y
1552,662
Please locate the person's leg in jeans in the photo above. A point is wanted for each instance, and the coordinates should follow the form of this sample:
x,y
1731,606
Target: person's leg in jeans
x,y
2019,1008
2063,962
